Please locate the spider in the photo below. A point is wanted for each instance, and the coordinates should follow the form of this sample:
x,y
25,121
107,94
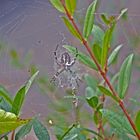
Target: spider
x,y
65,62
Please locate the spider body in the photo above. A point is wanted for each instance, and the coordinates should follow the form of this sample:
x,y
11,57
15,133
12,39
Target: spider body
x,y
65,59
65,62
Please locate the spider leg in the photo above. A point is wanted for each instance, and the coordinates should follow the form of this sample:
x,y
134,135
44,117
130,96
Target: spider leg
x,y
74,60
55,55
56,75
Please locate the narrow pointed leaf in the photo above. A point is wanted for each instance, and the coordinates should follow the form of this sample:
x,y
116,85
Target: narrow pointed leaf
x,y
114,79
89,19
105,19
81,57
9,121
90,131
123,11
18,101
106,45
97,35
97,50
24,130
137,121
107,92
117,121
40,130
124,77
5,94
71,5
57,4
30,81
20,96
114,54
91,81
70,27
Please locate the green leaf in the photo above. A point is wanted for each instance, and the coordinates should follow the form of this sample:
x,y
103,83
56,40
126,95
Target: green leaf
x,y
137,121
89,19
30,81
40,130
105,19
124,77
106,45
114,54
90,131
97,116
57,4
81,57
24,131
9,121
134,101
97,35
18,101
68,130
72,30
123,12
71,5
91,98
107,92
74,134
91,81
20,96
114,80
5,105
117,121
97,50
5,94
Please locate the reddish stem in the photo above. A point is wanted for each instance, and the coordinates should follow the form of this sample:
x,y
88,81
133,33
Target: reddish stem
x,y
13,135
85,43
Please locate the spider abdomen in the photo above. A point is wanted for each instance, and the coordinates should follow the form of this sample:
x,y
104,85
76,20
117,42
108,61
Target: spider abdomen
x,y
65,58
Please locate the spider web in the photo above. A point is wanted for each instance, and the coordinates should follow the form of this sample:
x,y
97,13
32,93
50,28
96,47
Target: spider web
x,y
33,25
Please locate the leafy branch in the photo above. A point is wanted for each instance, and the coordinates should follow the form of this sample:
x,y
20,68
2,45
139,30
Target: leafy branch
x,y
125,71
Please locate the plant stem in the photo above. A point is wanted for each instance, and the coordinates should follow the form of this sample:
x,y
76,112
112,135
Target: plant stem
x,y
85,43
67,131
13,135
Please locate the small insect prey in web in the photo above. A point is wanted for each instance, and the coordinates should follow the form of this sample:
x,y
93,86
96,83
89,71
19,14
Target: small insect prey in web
x,y
66,68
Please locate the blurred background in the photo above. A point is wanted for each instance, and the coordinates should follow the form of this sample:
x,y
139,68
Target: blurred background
x,y
29,33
